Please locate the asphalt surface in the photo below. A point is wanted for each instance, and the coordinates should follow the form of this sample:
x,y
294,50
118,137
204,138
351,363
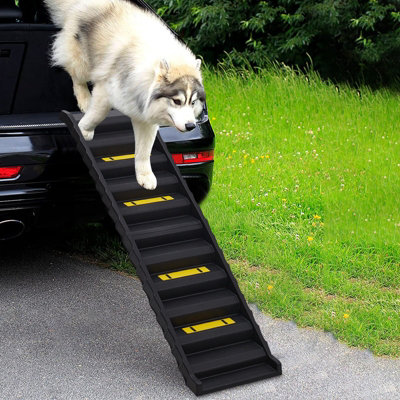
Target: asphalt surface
x,y
72,330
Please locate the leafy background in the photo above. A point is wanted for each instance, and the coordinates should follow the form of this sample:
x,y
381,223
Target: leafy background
x,y
357,41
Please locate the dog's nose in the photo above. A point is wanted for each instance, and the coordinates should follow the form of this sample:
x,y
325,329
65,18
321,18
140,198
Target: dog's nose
x,y
190,126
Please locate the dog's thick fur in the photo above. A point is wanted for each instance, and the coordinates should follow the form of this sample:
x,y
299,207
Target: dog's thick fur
x,y
136,65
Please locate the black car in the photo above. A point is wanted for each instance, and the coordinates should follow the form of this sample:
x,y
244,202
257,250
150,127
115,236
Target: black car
x,y
42,178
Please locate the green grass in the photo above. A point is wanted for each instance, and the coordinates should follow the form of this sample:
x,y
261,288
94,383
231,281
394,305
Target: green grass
x,y
96,243
306,200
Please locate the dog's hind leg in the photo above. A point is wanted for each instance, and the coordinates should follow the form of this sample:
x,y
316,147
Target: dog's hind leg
x,y
77,67
145,135
98,109
68,53
81,93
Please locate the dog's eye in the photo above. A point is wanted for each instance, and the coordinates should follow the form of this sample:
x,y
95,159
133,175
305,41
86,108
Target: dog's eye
x,y
177,102
194,102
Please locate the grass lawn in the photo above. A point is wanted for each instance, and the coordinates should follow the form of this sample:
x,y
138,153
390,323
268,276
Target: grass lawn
x,y
305,202
306,198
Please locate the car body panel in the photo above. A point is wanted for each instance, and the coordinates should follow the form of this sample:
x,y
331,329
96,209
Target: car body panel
x,y
54,183
54,188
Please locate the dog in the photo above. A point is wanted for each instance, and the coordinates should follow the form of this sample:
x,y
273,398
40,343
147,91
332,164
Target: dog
x,y
136,66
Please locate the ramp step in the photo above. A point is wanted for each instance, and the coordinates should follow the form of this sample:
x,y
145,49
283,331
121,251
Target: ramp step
x,y
126,167
126,188
110,143
240,330
214,277
197,302
165,230
149,212
237,377
226,358
176,255
203,306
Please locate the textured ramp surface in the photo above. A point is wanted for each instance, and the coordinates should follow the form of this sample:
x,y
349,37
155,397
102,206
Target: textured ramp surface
x,y
72,330
189,284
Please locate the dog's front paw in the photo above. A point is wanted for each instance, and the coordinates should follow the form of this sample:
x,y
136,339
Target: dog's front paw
x,y
147,180
87,135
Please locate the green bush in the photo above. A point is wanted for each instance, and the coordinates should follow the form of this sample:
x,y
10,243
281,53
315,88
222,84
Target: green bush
x,y
348,39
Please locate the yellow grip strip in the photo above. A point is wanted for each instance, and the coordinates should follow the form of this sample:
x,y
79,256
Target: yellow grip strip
x,y
148,201
184,273
208,325
119,158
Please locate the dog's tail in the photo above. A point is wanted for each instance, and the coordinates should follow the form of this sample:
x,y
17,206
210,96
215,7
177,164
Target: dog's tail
x,y
59,9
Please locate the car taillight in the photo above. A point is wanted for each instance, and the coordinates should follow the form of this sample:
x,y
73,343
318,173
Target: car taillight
x,y
187,158
9,172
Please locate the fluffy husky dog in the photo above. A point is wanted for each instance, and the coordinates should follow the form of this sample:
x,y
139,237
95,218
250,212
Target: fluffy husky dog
x,y
136,65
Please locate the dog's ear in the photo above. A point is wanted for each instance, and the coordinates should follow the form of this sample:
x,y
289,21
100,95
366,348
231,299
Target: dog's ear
x,y
164,67
162,70
198,64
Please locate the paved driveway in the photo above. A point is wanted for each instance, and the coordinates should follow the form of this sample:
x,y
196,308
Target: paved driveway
x,y
72,330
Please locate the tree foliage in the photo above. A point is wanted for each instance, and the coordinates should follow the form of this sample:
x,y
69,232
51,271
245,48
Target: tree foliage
x,y
342,39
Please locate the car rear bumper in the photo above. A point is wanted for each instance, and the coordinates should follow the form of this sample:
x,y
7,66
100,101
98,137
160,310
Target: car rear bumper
x,y
54,186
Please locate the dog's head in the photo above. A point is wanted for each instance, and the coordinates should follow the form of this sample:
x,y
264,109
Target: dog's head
x,y
178,97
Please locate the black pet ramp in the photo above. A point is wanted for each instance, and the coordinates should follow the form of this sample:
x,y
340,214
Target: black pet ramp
x,y
196,299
